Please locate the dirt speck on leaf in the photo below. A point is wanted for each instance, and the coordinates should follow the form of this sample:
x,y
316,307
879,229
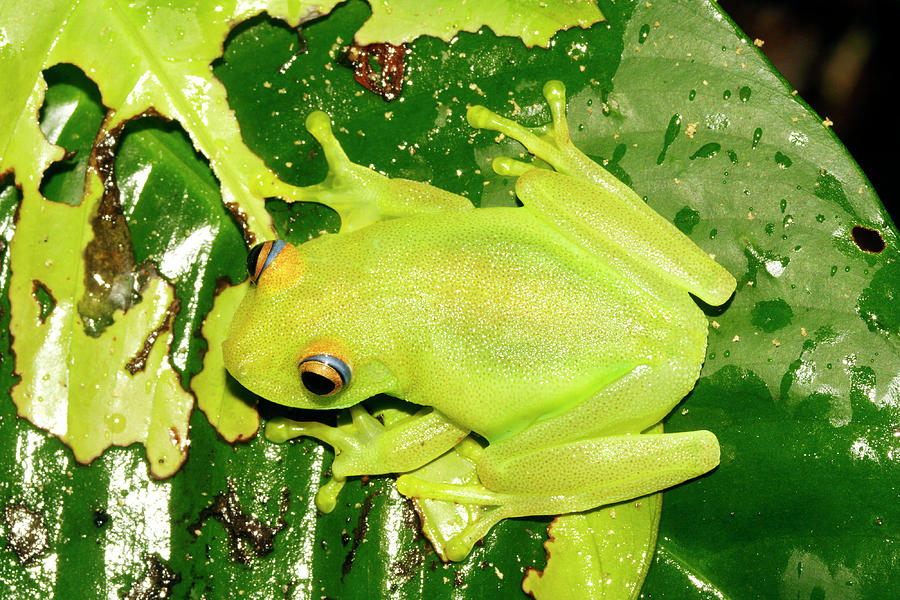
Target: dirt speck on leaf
x,y
26,533
157,582
387,79
247,535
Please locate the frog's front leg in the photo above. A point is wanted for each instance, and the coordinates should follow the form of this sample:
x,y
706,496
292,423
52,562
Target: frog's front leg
x,y
568,477
588,204
551,144
361,195
366,446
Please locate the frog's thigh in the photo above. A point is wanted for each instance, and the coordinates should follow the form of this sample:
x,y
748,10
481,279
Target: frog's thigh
x,y
593,441
579,475
632,404
614,219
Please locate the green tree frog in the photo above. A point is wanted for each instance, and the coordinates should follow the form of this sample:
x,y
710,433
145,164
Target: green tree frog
x,y
557,331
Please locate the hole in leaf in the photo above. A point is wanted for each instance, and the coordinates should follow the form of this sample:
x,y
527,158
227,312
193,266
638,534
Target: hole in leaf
x,y
771,315
172,205
70,117
868,240
43,297
299,222
686,219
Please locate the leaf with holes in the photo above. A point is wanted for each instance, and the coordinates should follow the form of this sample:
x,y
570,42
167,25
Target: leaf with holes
x,y
534,21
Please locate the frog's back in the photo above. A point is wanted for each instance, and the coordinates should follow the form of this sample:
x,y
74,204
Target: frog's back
x,y
491,312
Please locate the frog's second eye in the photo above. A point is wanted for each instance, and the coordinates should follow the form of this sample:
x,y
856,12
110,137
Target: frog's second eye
x,y
323,374
261,256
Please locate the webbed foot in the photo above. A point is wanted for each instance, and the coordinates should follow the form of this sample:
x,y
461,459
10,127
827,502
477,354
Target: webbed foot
x,y
550,143
361,195
366,446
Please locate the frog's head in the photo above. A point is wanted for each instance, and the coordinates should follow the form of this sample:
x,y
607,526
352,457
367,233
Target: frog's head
x,y
288,342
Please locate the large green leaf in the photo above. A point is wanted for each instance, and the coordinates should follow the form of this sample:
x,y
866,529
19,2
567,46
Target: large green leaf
x,y
800,385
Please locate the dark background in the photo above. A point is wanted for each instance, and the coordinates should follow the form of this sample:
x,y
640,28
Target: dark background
x,y
842,57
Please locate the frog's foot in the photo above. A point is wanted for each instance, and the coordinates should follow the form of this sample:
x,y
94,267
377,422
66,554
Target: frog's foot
x,y
570,477
492,508
549,144
365,446
361,195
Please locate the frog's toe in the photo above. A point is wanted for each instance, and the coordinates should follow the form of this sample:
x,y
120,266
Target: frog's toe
x,y
484,118
457,549
555,94
480,117
281,429
503,165
326,497
318,123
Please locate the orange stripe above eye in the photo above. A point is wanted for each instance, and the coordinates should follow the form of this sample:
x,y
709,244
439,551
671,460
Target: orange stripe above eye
x,y
261,259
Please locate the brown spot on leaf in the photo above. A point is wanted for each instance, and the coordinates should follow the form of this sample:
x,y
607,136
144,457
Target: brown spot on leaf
x,y
408,565
101,518
359,534
44,297
868,240
26,533
241,219
157,582
112,281
379,68
458,579
138,362
247,535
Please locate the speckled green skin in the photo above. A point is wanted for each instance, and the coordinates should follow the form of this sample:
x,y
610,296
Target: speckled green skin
x,y
558,331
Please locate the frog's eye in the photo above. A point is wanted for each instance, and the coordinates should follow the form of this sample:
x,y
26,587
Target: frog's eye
x,y
261,256
323,374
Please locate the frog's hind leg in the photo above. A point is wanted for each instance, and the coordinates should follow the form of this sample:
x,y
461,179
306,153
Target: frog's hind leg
x,y
361,195
550,144
591,455
570,477
587,203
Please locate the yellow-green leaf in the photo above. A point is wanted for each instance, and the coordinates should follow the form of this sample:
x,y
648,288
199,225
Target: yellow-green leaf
x,y
601,553
91,392
223,400
535,21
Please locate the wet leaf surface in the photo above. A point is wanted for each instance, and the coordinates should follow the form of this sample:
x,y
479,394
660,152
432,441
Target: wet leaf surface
x,y
800,383
402,21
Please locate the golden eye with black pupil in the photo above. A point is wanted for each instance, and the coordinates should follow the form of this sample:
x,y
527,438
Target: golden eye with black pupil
x,y
261,256
323,374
